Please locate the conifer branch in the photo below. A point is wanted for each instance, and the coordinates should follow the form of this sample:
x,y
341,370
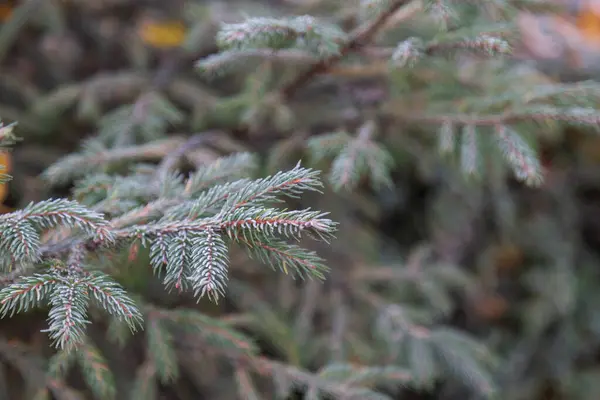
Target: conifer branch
x,y
286,256
353,157
535,113
312,383
95,155
410,51
31,367
519,154
19,230
187,235
469,151
133,202
145,385
96,372
68,314
68,289
225,169
358,38
161,348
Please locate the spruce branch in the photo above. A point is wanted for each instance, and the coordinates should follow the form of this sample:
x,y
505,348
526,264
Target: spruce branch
x,y
532,113
189,222
519,155
215,333
469,151
286,376
212,259
353,157
227,61
149,117
360,37
20,241
31,367
490,45
60,363
408,52
169,333
430,353
286,256
440,11
67,317
258,33
145,385
224,169
150,212
96,372
26,293
178,257
95,155
194,252
447,138
112,298
459,355
284,183
161,348
68,289
312,383
247,222
328,145
51,213
306,31
365,376
188,245
205,204
19,230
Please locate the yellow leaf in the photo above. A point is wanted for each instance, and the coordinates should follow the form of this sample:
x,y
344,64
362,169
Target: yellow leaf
x,y
163,34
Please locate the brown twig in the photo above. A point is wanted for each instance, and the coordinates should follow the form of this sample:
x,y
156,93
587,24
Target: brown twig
x,y
358,38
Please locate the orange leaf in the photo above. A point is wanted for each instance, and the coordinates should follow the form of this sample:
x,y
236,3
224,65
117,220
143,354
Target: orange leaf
x,y
588,21
5,12
5,162
162,35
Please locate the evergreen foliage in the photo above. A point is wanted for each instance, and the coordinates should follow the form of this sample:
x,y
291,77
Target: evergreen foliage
x,y
188,247
504,112
145,198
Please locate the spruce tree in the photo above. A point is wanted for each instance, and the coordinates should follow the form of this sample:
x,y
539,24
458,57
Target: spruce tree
x,y
333,102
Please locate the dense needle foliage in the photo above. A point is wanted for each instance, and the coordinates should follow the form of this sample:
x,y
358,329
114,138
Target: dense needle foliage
x,y
316,121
